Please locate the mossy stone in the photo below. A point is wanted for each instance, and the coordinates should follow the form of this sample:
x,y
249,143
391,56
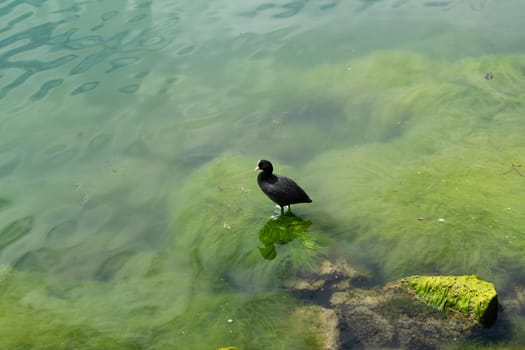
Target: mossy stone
x,y
468,295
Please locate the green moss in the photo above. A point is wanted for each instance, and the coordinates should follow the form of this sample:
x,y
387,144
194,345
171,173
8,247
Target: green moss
x,y
468,295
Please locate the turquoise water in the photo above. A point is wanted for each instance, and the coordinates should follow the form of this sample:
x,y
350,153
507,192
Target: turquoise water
x,y
129,210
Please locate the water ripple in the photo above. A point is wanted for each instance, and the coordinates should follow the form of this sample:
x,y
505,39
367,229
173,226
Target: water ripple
x,y
45,88
15,231
186,50
81,43
56,155
291,9
129,89
91,61
36,35
109,15
111,266
7,166
121,63
60,35
137,18
74,8
99,143
31,68
14,22
11,6
85,88
42,260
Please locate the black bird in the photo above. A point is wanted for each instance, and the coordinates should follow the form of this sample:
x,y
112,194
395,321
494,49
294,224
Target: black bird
x,y
280,189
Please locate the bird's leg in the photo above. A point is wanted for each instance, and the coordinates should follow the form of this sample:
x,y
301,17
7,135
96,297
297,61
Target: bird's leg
x,y
282,210
289,208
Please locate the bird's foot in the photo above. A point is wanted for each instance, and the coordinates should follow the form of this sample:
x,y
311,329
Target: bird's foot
x,y
280,210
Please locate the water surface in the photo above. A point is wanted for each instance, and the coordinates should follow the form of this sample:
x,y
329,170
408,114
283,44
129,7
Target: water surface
x,y
129,211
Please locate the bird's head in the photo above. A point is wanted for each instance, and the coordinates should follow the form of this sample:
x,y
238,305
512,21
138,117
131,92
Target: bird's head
x,y
265,166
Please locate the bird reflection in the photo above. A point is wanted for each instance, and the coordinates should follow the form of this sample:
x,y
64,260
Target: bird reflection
x,y
283,230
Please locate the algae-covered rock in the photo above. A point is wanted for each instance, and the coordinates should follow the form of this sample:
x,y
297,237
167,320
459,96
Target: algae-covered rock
x,y
456,308
468,295
393,317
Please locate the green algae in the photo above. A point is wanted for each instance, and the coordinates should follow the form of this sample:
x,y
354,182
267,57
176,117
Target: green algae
x,y
439,138
388,201
26,325
442,140
109,248
249,321
389,93
122,295
226,220
468,295
40,312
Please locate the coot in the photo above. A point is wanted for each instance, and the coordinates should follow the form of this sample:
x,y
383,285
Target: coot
x,y
280,189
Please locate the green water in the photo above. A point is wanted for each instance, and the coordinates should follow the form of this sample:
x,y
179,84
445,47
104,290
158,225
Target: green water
x,y
129,210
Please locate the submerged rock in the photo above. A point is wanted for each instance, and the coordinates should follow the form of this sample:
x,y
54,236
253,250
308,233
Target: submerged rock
x,y
419,312
321,324
330,277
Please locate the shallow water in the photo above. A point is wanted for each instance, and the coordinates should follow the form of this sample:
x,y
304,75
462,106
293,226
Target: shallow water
x,y
129,210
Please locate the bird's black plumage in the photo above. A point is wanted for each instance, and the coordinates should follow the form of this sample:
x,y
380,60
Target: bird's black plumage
x,y
280,189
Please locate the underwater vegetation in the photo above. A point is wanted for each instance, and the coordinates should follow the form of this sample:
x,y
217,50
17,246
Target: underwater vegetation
x,y
433,179
93,293
414,170
222,218
34,320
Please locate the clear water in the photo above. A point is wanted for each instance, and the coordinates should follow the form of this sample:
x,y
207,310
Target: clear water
x,y
129,211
